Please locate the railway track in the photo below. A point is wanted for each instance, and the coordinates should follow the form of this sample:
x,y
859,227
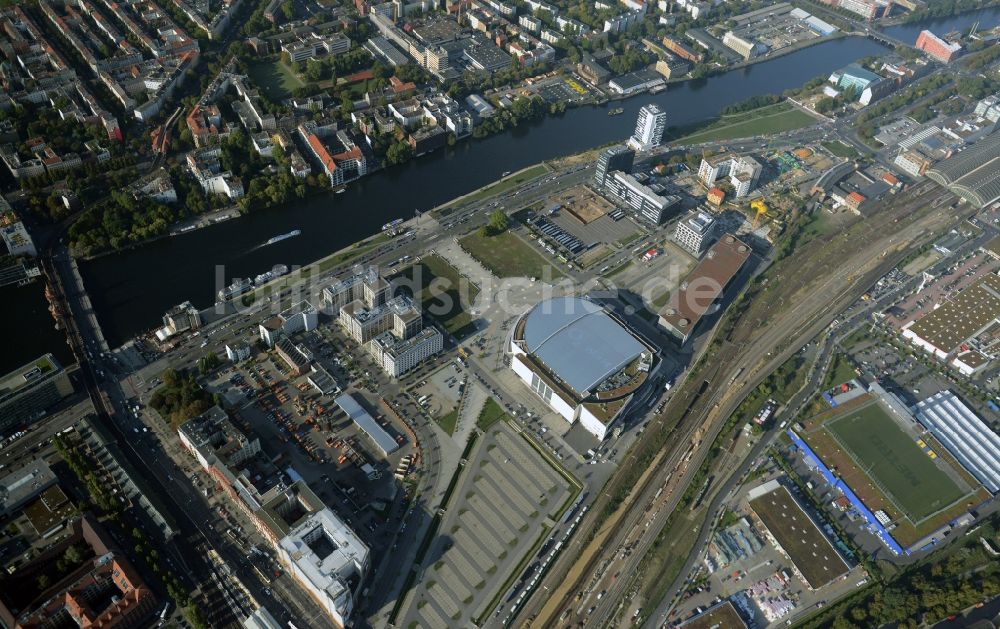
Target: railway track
x,y
749,358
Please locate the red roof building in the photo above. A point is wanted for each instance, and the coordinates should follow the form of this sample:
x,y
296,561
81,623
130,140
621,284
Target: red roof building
x,y
104,590
854,200
943,51
716,196
400,87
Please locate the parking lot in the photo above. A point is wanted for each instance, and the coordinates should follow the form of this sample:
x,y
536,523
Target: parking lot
x,y
500,509
303,429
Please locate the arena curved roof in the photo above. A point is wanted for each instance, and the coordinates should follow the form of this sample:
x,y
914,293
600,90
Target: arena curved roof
x,y
578,341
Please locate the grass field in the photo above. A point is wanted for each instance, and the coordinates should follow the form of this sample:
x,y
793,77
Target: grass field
x,y
504,184
447,422
763,121
839,149
443,293
840,372
274,78
491,414
894,462
506,255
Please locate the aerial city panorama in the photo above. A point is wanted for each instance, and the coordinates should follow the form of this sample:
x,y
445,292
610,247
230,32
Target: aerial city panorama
x,y
434,314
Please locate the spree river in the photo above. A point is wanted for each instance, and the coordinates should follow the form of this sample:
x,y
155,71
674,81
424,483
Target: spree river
x,y
987,18
131,290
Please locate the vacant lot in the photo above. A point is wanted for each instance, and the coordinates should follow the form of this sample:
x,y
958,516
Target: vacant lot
x,y
506,255
763,121
275,79
839,149
894,462
443,293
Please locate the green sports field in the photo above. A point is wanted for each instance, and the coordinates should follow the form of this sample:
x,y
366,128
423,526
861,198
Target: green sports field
x,y
893,460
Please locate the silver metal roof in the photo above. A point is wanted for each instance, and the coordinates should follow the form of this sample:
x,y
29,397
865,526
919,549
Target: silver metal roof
x,y
965,435
973,173
578,341
383,440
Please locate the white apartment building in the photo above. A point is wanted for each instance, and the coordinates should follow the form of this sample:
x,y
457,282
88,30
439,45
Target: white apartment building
x,y
743,172
649,128
328,559
396,357
694,233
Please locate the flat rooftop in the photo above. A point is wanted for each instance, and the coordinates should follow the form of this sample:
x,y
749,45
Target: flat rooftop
x,y
721,616
367,424
800,538
27,374
326,552
19,486
961,317
705,284
49,511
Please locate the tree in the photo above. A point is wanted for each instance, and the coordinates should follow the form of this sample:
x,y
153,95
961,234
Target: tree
x,y
399,152
498,221
314,70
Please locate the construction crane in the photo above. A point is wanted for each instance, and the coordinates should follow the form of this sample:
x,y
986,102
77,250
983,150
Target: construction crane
x,y
761,210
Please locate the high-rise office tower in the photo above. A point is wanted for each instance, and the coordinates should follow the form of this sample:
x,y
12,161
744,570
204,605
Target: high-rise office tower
x,y
649,128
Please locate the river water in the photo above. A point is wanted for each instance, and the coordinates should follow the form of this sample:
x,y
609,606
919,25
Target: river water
x,y
987,18
131,290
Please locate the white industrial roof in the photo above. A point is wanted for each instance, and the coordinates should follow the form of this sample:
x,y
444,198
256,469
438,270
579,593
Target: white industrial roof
x,y
383,440
578,341
261,619
965,435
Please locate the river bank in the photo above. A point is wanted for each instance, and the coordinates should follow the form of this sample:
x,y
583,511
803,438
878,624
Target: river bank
x,y
131,290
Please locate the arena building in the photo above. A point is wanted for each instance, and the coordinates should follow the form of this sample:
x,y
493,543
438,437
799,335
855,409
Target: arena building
x,y
582,360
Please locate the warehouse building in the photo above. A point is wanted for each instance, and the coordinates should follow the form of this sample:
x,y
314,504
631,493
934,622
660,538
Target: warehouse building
x,y
973,174
966,436
367,424
944,330
796,535
703,287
